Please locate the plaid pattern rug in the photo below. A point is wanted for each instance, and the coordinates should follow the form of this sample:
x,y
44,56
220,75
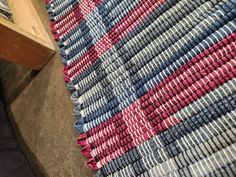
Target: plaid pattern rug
x,y
153,83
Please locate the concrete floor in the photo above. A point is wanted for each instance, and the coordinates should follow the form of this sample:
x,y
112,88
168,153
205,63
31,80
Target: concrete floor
x,y
43,115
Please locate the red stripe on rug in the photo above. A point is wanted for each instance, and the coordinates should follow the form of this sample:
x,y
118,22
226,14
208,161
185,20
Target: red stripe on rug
x,y
137,15
168,121
73,18
145,99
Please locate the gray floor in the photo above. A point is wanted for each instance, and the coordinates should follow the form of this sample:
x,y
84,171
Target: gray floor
x,y
42,113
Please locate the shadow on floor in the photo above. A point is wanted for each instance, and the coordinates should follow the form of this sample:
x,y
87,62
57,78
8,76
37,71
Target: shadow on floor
x,y
12,160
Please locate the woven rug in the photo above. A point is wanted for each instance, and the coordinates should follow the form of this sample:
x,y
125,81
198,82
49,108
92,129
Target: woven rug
x,y
153,83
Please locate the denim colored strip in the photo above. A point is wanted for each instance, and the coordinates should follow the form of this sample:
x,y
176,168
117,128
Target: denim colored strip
x,y
180,130
140,27
133,113
82,33
95,20
125,148
64,14
218,146
74,32
126,113
108,61
91,17
104,14
125,103
229,170
132,20
72,72
98,32
98,90
154,122
85,84
173,149
117,88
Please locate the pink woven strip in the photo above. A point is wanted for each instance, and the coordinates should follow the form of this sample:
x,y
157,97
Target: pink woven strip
x,y
138,127
165,111
197,90
145,100
160,117
137,15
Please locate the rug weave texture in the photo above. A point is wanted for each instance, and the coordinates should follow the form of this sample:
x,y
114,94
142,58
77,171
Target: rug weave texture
x,y
153,83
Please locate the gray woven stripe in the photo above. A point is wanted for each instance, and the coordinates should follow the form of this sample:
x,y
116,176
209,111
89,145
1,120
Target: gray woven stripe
x,y
151,146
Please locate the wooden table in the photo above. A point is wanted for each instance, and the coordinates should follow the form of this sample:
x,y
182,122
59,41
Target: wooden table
x,y
25,41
